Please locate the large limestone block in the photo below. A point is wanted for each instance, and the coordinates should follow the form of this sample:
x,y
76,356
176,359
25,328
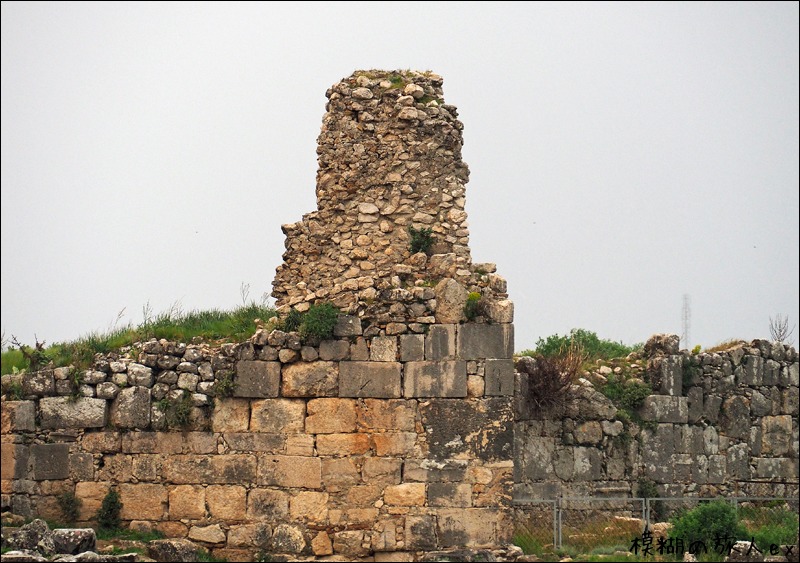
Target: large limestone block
x,y
499,377
406,494
435,379
131,408
451,297
290,471
267,504
226,502
230,415
18,416
665,408
65,412
257,379
382,415
473,527
776,435
369,379
312,379
440,342
278,416
50,461
187,501
232,469
143,501
480,341
330,416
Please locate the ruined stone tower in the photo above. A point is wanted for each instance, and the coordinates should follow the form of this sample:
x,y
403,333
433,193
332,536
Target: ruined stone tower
x,y
389,164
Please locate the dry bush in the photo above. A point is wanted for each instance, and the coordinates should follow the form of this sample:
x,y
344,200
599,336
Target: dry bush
x,y
550,377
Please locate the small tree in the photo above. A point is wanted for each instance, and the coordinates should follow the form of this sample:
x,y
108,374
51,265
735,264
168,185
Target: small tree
x,y
108,517
779,328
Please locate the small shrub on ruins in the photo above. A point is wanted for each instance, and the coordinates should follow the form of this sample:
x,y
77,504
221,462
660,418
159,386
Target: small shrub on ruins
x,y
770,525
594,348
648,489
319,322
628,395
293,320
108,517
70,506
225,385
550,377
707,521
421,239
472,308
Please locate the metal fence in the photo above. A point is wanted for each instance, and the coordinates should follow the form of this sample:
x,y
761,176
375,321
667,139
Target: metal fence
x,y
609,525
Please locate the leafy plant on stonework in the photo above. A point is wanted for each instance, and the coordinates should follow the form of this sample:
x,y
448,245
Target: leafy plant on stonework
x,y
707,522
293,320
14,391
108,516
628,395
648,489
225,385
205,556
178,411
594,348
472,307
421,239
70,506
319,322
770,525
696,350
129,535
76,378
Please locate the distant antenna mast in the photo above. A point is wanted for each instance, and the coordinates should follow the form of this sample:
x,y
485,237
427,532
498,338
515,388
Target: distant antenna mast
x,y
687,319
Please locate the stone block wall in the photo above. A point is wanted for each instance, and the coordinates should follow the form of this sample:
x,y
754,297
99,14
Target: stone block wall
x,y
354,446
719,424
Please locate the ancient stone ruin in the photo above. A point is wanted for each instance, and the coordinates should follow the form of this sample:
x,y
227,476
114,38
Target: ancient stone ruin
x,y
408,431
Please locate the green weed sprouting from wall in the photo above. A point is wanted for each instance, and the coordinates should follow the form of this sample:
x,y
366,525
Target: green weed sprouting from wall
x,y
472,308
319,322
421,239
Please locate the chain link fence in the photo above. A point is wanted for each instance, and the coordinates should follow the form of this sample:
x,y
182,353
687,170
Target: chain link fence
x,y
597,526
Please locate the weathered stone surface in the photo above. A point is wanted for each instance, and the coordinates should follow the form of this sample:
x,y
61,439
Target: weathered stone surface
x,y
310,506
450,495
343,444
383,349
278,416
321,544
482,428
499,377
74,540
451,297
131,408
665,408
380,415
666,374
328,416
420,532
334,350
473,527
173,550
64,412
230,469
40,383
18,416
231,415
226,502
50,461
499,311
662,345
369,379
287,538
477,341
412,347
776,435
406,494
435,379
257,379
187,501
35,536
735,420
267,504
347,325
290,471
143,501
207,534
377,471
588,433
440,342
448,470
315,379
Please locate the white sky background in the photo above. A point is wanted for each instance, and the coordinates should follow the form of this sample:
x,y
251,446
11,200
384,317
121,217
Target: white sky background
x,y
621,155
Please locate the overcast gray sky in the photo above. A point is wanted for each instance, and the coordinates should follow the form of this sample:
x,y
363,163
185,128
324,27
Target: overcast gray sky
x,y
621,155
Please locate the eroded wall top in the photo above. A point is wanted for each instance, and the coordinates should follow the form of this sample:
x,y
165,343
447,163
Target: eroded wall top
x,y
389,158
